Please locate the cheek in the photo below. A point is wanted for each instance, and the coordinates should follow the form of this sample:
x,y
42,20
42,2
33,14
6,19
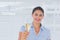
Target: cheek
x,y
34,17
41,18
37,18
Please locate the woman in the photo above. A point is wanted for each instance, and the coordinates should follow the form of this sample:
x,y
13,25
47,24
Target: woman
x,y
37,31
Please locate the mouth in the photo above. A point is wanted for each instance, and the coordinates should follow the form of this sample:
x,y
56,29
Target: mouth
x,y
37,19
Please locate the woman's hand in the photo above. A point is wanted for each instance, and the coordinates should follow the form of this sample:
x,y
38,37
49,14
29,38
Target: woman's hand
x,y
23,35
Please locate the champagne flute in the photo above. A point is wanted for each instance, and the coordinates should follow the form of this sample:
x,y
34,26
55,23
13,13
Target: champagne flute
x,y
27,27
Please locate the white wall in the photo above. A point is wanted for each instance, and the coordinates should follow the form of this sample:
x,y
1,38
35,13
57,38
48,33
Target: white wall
x,y
14,13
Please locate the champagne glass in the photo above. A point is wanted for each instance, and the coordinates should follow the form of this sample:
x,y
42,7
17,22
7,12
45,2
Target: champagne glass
x,y
27,27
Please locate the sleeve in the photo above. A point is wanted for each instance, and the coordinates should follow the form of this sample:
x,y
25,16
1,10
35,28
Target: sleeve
x,y
22,29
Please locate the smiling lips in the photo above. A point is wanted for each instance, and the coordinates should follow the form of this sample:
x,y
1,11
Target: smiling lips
x,y
37,19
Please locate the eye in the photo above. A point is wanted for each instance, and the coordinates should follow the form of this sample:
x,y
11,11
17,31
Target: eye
x,y
36,14
40,15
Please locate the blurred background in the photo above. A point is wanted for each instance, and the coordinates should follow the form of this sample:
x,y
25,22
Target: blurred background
x,y
14,13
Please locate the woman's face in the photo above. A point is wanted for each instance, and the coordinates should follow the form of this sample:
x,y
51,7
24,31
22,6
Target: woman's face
x,y
37,16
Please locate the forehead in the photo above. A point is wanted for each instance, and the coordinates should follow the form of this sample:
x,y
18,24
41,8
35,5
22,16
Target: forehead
x,y
38,12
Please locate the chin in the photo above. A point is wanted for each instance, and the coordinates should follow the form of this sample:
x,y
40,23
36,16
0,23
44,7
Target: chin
x,y
38,22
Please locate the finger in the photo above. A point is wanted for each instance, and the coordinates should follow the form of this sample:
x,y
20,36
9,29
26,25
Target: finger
x,y
25,34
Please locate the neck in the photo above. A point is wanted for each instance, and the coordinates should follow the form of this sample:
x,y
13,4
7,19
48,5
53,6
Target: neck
x,y
36,25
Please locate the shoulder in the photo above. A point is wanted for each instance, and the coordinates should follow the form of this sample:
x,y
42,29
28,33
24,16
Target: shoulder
x,y
46,30
22,28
